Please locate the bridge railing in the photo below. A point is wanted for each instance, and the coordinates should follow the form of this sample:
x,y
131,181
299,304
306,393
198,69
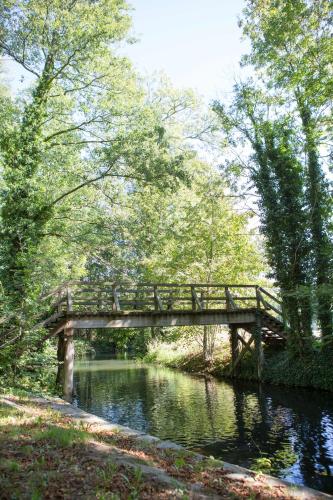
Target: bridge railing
x,y
95,297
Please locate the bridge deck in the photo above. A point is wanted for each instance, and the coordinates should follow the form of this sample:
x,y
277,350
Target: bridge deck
x,y
146,319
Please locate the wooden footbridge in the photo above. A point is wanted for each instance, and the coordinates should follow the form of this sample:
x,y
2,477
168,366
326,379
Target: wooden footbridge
x,y
93,305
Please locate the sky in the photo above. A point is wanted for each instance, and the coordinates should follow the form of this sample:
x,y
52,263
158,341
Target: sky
x,y
197,43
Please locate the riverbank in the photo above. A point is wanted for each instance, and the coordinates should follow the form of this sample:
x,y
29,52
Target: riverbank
x,y
313,370
51,449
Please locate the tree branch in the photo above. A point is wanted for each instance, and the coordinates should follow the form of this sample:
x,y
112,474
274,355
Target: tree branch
x,y
92,181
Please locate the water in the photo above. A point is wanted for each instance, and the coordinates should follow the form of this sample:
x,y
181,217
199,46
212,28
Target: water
x,y
237,422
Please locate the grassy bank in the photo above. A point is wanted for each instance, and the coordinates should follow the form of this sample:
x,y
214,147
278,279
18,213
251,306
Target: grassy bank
x,y
46,454
312,370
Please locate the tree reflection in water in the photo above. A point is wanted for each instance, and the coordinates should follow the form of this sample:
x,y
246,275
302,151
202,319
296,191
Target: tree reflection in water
x,y
237,421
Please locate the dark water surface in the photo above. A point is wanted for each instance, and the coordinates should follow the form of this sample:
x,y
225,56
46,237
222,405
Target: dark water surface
x,y
237,422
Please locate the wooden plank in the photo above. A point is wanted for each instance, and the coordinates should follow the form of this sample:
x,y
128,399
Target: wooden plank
x,y
211,298
235,297
138,301
124,319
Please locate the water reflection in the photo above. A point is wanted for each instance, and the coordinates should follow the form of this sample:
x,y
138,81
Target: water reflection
x,y
238,422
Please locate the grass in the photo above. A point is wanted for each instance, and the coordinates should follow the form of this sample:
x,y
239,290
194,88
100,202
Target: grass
x,y
62,437
47,455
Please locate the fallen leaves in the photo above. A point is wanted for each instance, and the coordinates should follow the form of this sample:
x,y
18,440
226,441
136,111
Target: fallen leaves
x,y
47,455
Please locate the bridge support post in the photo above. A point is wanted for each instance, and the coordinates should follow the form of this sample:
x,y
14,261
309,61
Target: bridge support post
x,y
68,364
60,357
234,344
258,345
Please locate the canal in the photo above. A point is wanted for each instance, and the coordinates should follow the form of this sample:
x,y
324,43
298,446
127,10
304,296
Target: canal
x,y
288,431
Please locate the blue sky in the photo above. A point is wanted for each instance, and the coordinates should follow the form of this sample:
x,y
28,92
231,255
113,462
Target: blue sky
x,y
196,42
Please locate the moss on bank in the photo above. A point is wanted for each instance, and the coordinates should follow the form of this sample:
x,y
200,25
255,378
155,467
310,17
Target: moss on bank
x,y
313,370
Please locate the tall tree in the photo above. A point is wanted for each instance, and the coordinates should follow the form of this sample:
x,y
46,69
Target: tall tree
x,y
85,120
276,174
292,51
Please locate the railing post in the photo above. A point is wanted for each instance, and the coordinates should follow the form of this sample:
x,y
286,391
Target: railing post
x,y
99,300
193,294
227,300
231,305
115,304
136,299
202,300
69,300
157,300
258,297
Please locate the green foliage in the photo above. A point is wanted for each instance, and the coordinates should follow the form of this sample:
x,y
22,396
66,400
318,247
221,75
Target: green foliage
x,y
277,174
282,114
195,234
10,465
34,371
84,130
189,234
282,459
61,437
312,369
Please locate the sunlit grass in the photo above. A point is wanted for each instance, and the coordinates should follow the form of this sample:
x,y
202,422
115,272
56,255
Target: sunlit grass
x,y
62,437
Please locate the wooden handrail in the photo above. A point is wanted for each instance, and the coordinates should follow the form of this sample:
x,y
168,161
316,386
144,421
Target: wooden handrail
x,y
270,295
83,284
95,296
